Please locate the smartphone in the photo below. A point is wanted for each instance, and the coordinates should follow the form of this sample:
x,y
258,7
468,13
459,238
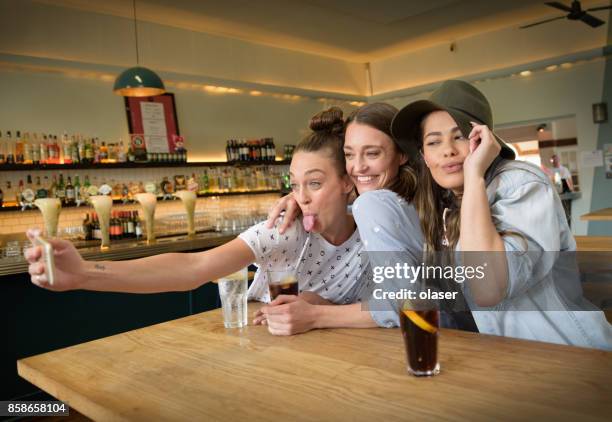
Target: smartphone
x,y
47,257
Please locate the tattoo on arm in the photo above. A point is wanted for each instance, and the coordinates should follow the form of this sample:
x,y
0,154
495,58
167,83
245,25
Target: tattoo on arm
x,y
99,267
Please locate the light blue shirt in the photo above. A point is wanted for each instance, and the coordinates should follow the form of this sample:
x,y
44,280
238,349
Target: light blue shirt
x,y
539,304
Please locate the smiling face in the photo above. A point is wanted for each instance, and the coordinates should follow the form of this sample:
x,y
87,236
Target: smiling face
x,y
372,159
444,150
319,188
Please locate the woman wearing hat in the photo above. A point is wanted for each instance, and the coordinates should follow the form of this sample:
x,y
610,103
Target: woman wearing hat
x,y
473,197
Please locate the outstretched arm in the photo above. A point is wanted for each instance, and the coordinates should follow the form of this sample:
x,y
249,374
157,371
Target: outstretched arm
x,y
159,273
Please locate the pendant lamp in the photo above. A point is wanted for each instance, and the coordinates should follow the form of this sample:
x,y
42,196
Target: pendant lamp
x,y
138,81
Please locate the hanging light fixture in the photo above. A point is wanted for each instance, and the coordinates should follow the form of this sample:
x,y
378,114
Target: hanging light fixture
x,y
138,81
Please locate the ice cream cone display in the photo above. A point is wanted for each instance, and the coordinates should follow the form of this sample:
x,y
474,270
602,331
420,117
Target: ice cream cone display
x,y
50,209
103,204
189,201
148,201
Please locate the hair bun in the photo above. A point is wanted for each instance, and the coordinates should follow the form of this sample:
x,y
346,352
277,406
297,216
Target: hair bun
x,y
328,121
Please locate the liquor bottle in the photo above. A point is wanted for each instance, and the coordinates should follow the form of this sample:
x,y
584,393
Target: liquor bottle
x,y
89,150
66,156
77,189
41,192
95,150
27,149
70,195
51,187
44,149
10,151
81,148
1,197
122,152
2,150
85,188
19,192
18,148
205,182
228,152
74,149
35,147
56,150
87,228
60,189
131,227
120,230
103,155
112,228
97,234
137,225
8,192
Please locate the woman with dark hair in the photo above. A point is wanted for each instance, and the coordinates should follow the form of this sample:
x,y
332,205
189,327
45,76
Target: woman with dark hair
x,y
474,198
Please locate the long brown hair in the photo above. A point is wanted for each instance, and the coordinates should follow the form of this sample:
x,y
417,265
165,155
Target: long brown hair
x,y
439,209
379,116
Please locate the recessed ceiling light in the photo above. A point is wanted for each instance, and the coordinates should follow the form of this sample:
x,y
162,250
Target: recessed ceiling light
x,y
526,73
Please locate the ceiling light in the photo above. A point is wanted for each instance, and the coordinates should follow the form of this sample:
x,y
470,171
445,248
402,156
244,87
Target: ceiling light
x,y
138,81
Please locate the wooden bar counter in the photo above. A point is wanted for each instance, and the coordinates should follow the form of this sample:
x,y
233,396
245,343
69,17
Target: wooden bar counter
x,y
194,369
604,214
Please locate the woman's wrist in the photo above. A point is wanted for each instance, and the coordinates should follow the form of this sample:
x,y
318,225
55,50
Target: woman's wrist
x,y
473,181
93,272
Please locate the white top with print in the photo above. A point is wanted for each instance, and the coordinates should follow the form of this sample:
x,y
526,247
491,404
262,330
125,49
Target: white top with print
x,y
332,272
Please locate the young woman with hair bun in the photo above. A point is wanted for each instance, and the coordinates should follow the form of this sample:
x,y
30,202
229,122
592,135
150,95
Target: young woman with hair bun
x,y
329,271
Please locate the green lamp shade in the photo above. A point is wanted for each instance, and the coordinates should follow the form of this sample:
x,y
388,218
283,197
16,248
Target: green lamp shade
x,y
138,82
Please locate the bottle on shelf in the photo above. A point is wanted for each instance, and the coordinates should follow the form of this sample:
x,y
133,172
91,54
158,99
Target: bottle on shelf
x,y
27,148
97,234
103,154
18,148
66,152
60,189
10,149
1,197
41,192
19,192
8,194
43,149
87,229
35,148
2,150
77,190
70,195
74,150
137,225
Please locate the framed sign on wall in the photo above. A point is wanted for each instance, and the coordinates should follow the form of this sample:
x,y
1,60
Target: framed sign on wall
x,y
155,119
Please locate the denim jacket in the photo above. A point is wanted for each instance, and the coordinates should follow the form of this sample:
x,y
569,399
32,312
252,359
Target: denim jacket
x,y
536,305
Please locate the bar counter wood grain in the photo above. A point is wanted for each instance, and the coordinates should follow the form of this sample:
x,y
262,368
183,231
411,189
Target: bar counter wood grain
x,y
194,369
604,214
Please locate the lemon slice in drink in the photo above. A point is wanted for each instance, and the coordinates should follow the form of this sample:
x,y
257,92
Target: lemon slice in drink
x,y
419,321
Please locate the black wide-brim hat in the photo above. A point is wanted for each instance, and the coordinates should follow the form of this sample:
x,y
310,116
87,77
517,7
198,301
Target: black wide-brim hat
x,y
461,100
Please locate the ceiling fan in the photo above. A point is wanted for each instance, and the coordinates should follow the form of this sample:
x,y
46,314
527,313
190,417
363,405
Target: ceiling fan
x,y
574,13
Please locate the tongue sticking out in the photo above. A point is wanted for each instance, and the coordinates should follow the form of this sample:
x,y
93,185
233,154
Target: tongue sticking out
x,y
308,221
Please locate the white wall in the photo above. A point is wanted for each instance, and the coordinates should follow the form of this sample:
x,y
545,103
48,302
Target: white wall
x,y
483,53
40,30
51,103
